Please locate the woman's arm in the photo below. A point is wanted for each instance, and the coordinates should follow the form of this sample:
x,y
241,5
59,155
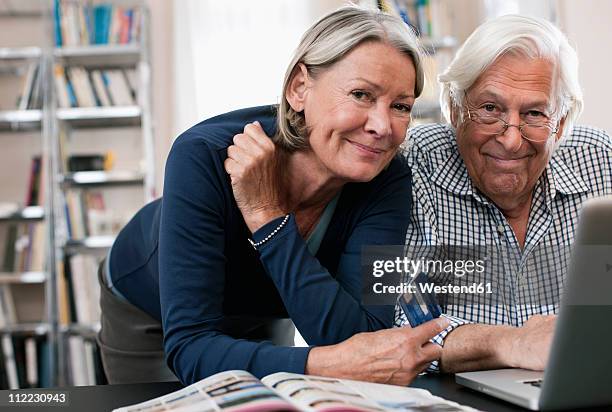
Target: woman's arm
x,y
324,308
192,274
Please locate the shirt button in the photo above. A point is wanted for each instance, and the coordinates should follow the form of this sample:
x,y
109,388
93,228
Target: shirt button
x,y
500,229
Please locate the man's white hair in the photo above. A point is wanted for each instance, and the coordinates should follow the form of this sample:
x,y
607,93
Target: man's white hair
x,y
528,36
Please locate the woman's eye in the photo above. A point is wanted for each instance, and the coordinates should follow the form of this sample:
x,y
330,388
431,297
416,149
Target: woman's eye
x,y
361,95
405,108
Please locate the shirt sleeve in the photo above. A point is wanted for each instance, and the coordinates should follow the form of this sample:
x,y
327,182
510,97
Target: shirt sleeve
x,y
191,275
422,232
327,309
454,322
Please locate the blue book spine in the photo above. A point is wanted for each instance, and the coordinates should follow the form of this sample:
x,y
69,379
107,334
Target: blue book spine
x,y
71,95
102,14
130,16
87,11
97,18
107,22
57,19
44,360
68,223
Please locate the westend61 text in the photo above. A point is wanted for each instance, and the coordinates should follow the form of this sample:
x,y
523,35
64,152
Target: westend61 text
x,y
474,288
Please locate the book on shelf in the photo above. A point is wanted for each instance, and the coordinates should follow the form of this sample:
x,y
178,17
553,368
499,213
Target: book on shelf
x,y
240,391
29,352
30,97
87,215
22,244
21,86
428,18
22,357
83,291
7,317
22,247
78,297
83,364
81,87
83,23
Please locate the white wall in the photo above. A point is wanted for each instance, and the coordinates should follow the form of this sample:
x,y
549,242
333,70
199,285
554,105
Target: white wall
x,y
162,72
588,24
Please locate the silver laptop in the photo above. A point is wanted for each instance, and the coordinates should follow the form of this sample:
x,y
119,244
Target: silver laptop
x,y
579,370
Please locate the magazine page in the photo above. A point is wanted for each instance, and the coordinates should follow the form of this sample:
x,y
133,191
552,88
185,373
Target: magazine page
x,y
231,391
313,393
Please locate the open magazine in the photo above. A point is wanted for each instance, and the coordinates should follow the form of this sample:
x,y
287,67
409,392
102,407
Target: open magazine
x,y
239,391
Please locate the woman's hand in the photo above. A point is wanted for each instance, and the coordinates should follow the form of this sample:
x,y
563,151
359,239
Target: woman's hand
x,y
253,165
394,356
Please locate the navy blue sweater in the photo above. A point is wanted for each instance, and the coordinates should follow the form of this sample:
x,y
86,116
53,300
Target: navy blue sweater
x,y
186,260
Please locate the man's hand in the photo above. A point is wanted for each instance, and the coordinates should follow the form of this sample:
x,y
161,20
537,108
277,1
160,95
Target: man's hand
x,y
529,345
394,356
253,165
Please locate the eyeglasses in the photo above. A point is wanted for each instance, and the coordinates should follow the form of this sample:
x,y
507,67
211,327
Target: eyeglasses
x,y
534,131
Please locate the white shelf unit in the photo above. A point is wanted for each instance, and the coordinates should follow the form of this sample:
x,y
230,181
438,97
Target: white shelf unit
x,y
35,122
87,124
82,124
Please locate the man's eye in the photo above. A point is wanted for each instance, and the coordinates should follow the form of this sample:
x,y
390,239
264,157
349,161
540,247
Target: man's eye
x,y
489,107
535,113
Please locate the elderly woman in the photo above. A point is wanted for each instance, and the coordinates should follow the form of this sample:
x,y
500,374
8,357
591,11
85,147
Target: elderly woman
x,y
253,230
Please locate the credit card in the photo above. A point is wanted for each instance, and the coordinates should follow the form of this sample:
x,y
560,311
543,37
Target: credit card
x,y
419,307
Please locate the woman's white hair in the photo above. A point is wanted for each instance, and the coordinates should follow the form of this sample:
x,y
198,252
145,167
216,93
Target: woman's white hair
x,y
531,37
328,41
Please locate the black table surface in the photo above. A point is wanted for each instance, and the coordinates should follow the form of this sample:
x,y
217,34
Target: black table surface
x,y
108,397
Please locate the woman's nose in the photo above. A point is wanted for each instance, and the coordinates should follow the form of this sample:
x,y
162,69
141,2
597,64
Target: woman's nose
x,y
379,121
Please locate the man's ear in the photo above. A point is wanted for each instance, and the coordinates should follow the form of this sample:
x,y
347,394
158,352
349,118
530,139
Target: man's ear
x,y
560,128
298,88
454,115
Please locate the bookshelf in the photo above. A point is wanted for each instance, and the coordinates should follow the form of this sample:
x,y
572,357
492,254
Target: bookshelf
x,y
24,214
53,323
118,119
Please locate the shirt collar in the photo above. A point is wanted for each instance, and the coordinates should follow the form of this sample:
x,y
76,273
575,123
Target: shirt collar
x,y
564,179
450,173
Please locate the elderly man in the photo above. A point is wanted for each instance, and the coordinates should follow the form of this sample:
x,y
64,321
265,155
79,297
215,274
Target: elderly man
x,y
510,171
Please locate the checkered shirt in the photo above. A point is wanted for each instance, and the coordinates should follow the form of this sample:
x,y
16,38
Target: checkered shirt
x,y
449,210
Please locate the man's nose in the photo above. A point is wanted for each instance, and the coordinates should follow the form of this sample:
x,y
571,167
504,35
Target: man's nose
x,y
511,139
